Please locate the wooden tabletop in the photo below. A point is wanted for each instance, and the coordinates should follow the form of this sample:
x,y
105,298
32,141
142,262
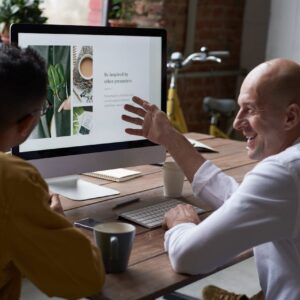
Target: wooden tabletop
x,y
149,274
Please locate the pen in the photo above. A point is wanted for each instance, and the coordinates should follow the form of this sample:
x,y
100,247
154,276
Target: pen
x,y
126,203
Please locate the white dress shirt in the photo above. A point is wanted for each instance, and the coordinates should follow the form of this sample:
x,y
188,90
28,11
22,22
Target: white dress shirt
x,y
263,212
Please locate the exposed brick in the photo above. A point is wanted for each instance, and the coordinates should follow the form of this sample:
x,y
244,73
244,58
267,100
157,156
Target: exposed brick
x,y
218,27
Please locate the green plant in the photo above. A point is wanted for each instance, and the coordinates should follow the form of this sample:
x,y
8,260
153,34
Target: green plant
x,y
56,80
21,11
122,9
77,112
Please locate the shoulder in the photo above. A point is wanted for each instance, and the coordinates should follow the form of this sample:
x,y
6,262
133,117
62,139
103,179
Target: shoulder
x,y
287,161
278,175
287,156
15,172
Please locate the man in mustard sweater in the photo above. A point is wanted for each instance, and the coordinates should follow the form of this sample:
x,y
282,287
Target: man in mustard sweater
x,y
36,241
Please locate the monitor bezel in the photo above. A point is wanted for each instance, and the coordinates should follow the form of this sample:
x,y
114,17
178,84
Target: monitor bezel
x,y
16,29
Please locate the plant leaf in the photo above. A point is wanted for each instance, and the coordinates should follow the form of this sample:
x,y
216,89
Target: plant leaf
x,y
60,73
53,79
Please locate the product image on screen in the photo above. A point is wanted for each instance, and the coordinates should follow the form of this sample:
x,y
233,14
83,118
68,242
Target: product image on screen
x,y
92,73
70,112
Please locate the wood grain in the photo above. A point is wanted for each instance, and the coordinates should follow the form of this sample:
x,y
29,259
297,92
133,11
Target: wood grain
x,y
149,273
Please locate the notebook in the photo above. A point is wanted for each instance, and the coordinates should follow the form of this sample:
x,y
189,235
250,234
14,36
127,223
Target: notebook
x,y
115,174
201,147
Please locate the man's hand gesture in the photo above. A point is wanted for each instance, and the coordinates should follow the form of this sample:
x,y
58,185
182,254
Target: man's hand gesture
x,y
154,123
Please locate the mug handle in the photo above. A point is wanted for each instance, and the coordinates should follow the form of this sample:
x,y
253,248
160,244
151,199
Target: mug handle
x,y
114,246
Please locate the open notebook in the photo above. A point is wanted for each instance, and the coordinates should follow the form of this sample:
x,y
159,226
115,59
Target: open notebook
x,y
201,147
115,174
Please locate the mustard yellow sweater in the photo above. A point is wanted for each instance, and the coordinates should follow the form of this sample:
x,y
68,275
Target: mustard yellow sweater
x,y
39,243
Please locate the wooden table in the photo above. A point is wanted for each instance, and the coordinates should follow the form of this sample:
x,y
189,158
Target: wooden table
x,y
149,274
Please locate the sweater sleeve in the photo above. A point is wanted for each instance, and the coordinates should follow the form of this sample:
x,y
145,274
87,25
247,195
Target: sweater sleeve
x,y
45,247
264,208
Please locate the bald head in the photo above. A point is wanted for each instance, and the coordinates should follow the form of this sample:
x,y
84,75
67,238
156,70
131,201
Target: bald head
x,y
277,82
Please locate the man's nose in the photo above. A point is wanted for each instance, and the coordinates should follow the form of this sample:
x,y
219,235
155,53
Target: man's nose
x,y
238,121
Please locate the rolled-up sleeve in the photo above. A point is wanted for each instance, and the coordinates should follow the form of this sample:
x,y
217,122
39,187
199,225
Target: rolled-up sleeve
x,y
211,184
258,212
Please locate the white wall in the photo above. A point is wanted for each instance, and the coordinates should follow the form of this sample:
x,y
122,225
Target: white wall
x,y
254,36
74,12
255,29
283,37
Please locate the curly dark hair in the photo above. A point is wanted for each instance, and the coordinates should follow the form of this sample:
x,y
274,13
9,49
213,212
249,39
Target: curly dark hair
x,y
23,83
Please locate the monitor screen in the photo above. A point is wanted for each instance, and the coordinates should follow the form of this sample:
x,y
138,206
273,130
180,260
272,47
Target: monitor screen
x,y
92,73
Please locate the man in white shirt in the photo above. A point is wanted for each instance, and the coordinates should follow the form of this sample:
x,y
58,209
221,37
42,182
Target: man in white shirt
x,y
264,211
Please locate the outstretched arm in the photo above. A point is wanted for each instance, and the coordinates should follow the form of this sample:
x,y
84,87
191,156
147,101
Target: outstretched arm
x,y
156,127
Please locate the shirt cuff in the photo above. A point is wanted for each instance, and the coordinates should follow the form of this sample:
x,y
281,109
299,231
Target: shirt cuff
x,y
206,171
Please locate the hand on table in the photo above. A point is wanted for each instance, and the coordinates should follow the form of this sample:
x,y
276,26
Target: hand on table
x,y
182,213
55,205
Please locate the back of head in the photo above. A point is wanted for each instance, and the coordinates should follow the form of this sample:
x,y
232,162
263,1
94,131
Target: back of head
x,y
23,83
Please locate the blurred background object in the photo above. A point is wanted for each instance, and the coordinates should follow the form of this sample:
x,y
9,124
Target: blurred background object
x,y
19,11
74,12
121,13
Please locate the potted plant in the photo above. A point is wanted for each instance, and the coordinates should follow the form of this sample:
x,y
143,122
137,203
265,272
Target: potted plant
x,y
121,13
19,11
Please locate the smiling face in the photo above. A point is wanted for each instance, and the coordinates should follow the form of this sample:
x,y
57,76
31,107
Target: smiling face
x,y
267,115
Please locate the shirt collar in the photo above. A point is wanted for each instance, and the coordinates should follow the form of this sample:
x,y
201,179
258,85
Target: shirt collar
x,y
297,141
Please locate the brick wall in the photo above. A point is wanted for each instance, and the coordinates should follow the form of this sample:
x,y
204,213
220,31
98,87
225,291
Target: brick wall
x,y
218,27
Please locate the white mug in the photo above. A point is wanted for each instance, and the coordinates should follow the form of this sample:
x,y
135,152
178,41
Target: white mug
x,y
173,179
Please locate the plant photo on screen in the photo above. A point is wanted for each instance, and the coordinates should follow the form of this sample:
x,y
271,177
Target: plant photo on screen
x,y
82,120
57,121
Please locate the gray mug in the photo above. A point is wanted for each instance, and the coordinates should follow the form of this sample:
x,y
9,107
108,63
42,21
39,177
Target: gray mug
x,y
115,240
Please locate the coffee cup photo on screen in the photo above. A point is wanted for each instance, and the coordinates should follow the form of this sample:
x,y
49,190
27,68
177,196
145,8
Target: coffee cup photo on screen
x,y
82,75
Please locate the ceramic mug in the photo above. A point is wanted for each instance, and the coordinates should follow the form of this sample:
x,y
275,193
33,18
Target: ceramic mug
x,y
173,179
115,241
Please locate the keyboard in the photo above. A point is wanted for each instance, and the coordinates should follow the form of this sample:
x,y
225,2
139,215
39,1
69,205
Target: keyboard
x,y
151,216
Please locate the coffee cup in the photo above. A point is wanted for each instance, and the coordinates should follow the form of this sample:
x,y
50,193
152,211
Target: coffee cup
x,y
173,179
115,240
85,66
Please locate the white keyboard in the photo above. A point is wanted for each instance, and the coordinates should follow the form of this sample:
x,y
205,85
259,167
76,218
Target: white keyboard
x,y
152,216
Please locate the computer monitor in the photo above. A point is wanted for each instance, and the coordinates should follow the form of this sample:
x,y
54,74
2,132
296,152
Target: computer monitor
x,y
92,73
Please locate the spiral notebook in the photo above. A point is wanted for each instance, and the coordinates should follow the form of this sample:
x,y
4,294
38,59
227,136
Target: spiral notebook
x,y
115,174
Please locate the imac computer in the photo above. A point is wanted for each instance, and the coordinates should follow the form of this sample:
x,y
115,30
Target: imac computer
x,y
92,73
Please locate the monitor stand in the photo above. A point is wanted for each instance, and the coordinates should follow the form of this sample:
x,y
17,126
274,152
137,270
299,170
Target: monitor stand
x,y
77,189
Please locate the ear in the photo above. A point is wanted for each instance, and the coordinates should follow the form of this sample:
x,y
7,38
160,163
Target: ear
x,y
26,125
292,118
